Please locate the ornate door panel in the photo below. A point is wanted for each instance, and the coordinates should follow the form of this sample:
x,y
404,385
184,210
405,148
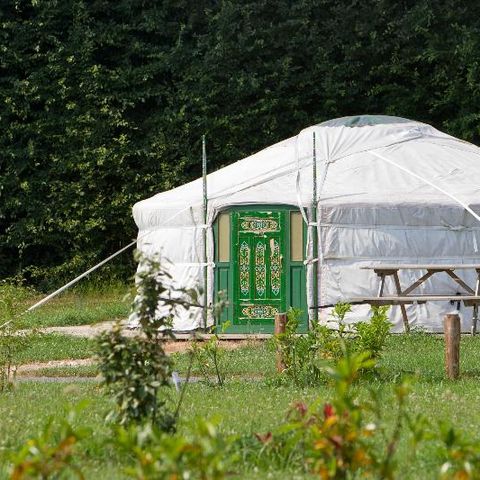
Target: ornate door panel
x,y
259,280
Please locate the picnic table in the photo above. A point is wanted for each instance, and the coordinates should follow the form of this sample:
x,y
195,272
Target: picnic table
x,y
406,295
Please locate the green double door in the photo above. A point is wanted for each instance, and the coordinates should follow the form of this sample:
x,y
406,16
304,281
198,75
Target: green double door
x,y
259,263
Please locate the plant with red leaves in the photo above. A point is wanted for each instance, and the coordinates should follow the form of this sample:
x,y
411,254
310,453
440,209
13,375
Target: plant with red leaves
x,y
337,439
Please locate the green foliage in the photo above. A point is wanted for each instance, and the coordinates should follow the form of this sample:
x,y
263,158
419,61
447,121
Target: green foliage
x,y
248,406
202,453
337,439
329,341
299,353
104,103
12,342
461,453
304,355
134,370
210,356
372,335
137,370
12,299
52,453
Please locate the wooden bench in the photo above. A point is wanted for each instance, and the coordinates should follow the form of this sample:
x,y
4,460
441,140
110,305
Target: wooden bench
x,y
471,297
468,300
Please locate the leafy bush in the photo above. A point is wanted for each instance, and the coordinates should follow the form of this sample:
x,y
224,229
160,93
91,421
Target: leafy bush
x,y
460,452
108,109
136,370
11,345
299,353
52,453
372,335
13,297
304,355
209,356
338,439
201,453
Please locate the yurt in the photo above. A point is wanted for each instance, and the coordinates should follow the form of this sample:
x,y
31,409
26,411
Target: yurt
x,y
293,224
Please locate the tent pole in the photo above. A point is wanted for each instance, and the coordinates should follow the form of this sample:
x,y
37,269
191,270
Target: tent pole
x,y
205,253
315,232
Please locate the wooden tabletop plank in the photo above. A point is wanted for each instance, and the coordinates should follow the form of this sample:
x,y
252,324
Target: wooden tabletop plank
x,y
419,266
426,298
468,300
385,301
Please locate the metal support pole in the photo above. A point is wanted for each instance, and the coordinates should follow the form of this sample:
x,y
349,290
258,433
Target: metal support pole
x,y
205,253
315,232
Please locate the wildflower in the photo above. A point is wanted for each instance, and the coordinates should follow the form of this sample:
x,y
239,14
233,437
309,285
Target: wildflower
x,y
328,410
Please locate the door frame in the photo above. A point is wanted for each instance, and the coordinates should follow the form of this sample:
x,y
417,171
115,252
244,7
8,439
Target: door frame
x,y
224,272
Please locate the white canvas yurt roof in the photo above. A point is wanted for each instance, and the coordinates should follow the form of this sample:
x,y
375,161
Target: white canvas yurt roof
x,y
390,190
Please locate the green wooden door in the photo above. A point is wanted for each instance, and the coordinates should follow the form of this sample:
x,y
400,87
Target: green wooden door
x,y
259,280
259,254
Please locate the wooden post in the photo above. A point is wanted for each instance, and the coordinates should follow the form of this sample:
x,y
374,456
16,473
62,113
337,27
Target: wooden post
x,y
280,327
451,326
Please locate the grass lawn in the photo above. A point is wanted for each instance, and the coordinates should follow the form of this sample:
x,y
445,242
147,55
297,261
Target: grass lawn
x,y
66,371
83,305
52,346
257,405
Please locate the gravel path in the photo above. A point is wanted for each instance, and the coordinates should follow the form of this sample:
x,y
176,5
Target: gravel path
x,y
89,331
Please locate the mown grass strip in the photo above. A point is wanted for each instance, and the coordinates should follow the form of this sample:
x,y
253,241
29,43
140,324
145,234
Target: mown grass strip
x,y
52,346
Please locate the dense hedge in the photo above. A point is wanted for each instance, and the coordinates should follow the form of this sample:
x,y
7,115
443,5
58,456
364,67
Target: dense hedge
x,y
104,103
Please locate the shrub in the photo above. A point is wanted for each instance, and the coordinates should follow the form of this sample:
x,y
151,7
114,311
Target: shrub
x,y
372,335
338,439
134,370
52,453
460,452
304,355
299,353
137,370
201,453
209,356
